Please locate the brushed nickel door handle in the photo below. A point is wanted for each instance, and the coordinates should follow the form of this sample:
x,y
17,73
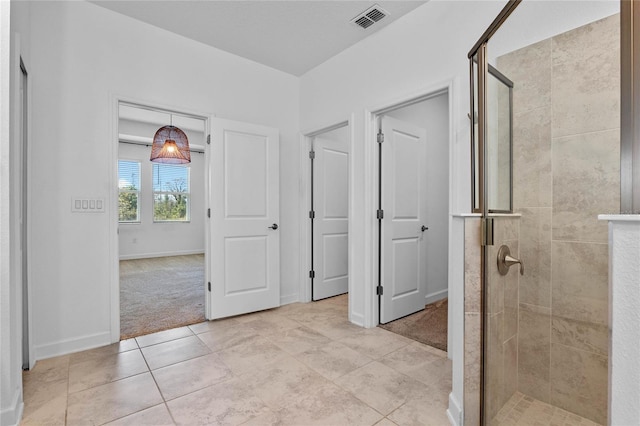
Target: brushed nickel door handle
x,y
505,261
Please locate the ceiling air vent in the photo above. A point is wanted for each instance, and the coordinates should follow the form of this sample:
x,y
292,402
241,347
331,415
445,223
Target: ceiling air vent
x,y
369,16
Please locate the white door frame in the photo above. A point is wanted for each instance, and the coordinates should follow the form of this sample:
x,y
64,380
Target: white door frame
x,y
371,186
306,139
112,202
19,163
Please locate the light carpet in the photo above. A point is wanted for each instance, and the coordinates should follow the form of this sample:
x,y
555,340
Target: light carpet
x,y
160,293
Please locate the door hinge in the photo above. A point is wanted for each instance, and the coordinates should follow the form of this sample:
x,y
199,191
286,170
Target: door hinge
x,y
312,214
379,290
312,274
209,285
380,136
487,231
312,154
380,214
208,212
208,139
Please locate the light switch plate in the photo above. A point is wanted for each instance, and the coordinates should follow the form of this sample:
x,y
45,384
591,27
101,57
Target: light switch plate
x,y
87,205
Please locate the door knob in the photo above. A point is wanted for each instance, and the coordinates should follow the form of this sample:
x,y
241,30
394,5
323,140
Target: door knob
x,y
424,228
505,260
274,226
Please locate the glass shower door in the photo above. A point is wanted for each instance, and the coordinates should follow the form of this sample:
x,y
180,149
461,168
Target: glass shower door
x,y
545,324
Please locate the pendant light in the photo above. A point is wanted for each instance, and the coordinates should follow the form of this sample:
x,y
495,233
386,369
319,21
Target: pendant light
x,y
170,146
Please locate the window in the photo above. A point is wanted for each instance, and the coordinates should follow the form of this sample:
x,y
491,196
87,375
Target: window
x,y
129,191
170,193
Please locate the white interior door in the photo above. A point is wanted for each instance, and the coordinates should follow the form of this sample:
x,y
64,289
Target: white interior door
x,y
245,242
331,223
404,254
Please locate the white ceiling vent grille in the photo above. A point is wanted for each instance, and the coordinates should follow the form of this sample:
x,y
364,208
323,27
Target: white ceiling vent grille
x,y
370,16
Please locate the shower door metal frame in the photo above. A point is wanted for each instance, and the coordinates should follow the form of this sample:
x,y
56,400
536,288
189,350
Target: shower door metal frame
x,y
480,50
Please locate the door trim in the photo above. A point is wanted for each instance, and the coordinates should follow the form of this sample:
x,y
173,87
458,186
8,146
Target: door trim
x,y
114,251
371,237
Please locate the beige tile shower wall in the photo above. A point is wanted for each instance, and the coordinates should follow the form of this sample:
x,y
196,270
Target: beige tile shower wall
x,y
501,320
472,282
566,172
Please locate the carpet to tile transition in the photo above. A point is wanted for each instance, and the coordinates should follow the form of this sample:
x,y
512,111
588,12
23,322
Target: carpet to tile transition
x,y
428,326
160,293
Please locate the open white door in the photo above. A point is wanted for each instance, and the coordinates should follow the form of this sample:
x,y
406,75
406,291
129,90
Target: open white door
x,y
331,222
404,255
245,242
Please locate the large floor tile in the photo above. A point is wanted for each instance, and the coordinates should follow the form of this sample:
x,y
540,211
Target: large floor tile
x,y
122,346
188,376
269,323
380,387
100,370
226,337
154,416
386,422
45,402
229,403
205,326
334,328
275,383
299,339
114,400
427,407
327,405
163,336
251,355
48,370
375,342
333,360
419,362
174,351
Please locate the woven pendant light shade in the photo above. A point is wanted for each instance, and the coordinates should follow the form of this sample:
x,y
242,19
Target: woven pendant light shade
x,y
170,146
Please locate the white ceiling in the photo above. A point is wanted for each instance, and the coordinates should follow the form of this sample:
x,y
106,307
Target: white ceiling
x,y
292,36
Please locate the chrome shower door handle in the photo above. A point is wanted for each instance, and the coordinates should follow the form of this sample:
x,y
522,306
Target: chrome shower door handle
x,y
505,260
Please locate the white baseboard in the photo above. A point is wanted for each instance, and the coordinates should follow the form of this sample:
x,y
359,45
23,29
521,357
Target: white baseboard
x,y
10,416
64,347
285,300
434,297
357,319
159,254
454,412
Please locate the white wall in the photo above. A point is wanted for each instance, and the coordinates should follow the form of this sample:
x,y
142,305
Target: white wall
x,y
149,239
84,57
433,116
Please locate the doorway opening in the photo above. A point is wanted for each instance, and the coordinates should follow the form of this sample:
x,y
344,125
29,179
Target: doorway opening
x,y
326,206
161,224
413,218
329,213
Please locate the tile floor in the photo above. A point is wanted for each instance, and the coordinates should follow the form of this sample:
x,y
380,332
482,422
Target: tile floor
x,y
301,364
522,410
